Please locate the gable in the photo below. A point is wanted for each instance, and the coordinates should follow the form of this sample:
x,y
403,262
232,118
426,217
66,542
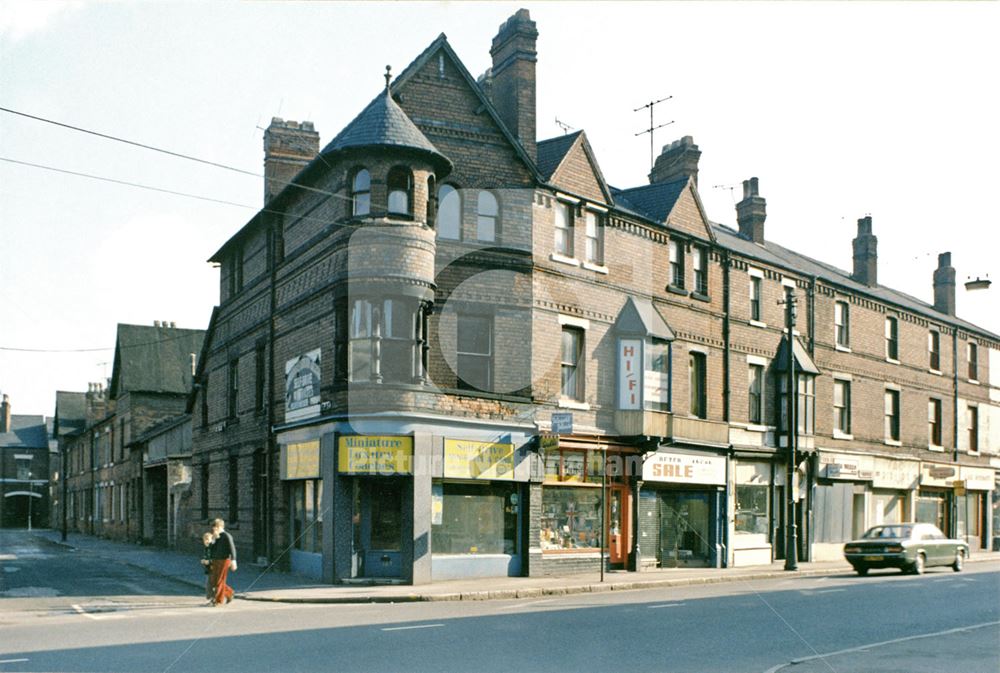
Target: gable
x,y
578,175
688,215
440,97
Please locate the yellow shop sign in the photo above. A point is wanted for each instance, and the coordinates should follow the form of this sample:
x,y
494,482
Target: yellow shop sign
x,y
300,460
465,459
375,454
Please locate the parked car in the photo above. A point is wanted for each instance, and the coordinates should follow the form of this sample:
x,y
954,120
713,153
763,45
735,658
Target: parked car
x,y
911,547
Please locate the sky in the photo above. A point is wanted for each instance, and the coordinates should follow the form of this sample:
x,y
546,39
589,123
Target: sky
x,y
840,109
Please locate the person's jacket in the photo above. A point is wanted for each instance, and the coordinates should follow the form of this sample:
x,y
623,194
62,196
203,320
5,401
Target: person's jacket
x,y
223,547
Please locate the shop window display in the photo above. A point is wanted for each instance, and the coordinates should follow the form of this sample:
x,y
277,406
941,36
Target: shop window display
x,y
476,519
751,508
571,518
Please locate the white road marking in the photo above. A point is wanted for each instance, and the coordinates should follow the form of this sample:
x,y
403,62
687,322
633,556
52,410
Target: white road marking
x,y
665,605
83,612
524,605
418,626
12,661
10,557
862,648
827,591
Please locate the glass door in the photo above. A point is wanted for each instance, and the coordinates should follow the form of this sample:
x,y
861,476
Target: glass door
x,y
382,501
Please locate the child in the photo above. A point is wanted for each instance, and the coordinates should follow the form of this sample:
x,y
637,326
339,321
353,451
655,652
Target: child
x,y
208,539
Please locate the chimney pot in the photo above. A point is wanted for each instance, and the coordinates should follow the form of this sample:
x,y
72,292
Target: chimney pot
x,y
5,414
751,212
944,285
513,83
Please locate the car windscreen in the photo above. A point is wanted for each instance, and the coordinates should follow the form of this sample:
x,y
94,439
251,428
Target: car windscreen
x,y
896,532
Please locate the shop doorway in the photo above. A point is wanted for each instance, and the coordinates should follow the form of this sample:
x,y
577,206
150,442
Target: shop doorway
x,y
378,527
618,531
685,519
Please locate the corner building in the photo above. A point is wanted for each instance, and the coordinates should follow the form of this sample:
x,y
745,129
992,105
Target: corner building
x,y
403,328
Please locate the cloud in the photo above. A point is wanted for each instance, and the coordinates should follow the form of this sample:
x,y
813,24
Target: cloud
x,y
20,18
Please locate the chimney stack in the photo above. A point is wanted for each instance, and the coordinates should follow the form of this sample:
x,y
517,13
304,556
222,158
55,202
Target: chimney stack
x,y
944,285
513,78
96,402
678,159
5,414
288,147
865,254
751,213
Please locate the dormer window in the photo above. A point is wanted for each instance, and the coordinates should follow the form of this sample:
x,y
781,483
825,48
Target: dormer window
x,y
400,184
361,192
489,212
449,215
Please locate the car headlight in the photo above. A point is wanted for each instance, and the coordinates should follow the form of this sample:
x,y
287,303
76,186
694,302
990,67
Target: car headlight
x,y
852,549
894,548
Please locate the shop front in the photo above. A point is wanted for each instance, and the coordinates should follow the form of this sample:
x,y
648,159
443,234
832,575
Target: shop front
x,y
300,471
586,507
758,497
476,510
972,506
682,510
377,473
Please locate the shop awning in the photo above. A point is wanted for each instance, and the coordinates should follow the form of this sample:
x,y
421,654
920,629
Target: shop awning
x,y
640,318
803,363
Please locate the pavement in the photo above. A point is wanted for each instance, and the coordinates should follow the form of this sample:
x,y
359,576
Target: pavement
x,y
258,583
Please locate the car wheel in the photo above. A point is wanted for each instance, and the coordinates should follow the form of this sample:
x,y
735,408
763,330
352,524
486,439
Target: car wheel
x,y
918,565
861,570
959,561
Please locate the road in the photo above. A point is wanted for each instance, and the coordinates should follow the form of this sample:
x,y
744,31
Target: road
x,y
64,611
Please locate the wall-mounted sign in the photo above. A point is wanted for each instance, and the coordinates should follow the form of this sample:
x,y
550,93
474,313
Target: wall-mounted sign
x,y
902,475
629,374
465,459
682,468
978,478
846,466
300,461
562,422
375,454
934,474
302,379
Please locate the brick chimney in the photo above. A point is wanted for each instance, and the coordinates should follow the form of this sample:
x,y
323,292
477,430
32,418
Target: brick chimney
x,y
97,402
865,254
513,78
751,213
678,159
288,147
5,414
944,285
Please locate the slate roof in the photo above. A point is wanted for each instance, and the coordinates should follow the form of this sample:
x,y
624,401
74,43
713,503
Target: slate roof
x,y
71,412
154,359
640,317
551,152
26,432
654,201
802,360
384,124
783,257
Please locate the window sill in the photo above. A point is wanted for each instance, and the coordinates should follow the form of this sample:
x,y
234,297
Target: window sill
x,y
935,448
754,427
700,297
893,442
935,372
677,290
837,434
757,323
598,268
892,361
556,257
573,404
974,382
843,349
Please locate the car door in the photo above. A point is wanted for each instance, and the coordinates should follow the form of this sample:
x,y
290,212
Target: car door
x,y
937,546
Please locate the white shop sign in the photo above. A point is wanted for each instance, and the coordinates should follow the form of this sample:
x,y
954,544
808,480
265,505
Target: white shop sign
x,y
845,466
630,374
901,475
681,468
978,478
934,474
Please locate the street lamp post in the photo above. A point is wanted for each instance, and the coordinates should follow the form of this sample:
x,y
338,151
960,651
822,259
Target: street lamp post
x,y
31,496
791,529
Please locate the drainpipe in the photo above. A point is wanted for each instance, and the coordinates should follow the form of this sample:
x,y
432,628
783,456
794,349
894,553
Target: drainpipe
x,y
726,390
954,426
270,450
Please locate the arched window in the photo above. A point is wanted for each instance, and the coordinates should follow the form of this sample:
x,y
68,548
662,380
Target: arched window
x,y
400,185
449,213
489,214
361,192
431,198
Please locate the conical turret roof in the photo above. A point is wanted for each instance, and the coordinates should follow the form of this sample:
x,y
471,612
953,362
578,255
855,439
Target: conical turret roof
x,y
384,124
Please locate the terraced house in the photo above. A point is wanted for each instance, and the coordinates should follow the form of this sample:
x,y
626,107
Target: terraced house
x,y
417,300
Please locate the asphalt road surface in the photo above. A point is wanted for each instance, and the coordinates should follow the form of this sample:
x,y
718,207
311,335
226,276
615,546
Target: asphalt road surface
x,y
66,611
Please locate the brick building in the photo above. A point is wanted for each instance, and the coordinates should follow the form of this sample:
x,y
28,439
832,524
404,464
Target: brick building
x,y
105,472
24,469
416,300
